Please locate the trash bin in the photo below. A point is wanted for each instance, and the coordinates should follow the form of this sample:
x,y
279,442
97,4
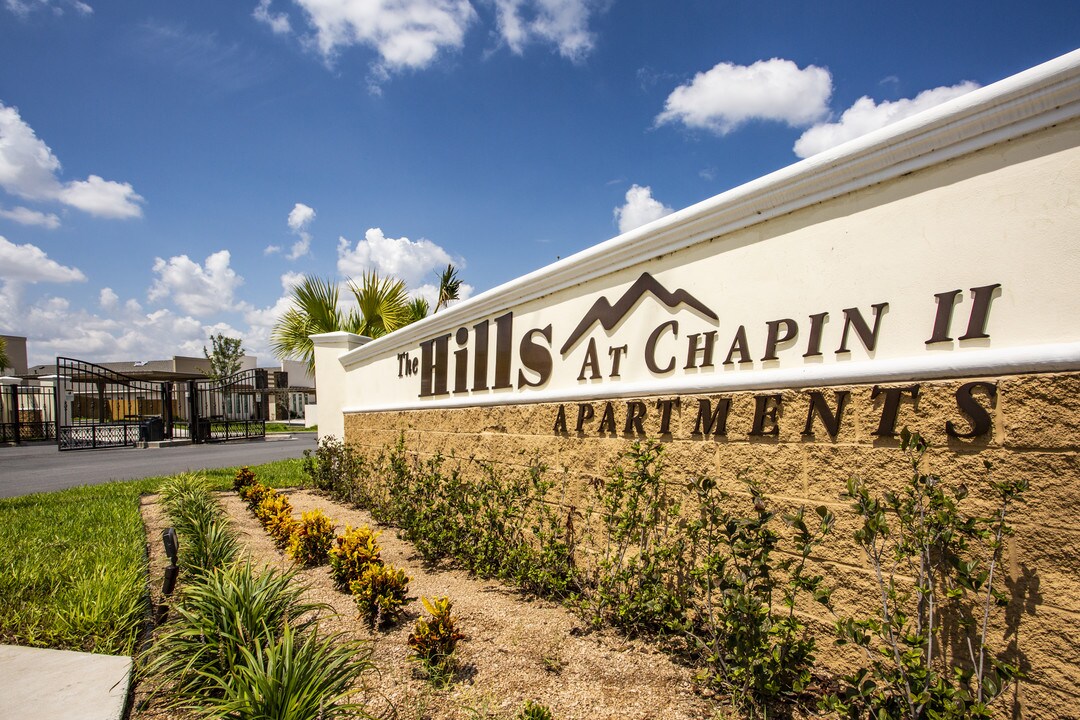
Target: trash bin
x,y
201,430
152,430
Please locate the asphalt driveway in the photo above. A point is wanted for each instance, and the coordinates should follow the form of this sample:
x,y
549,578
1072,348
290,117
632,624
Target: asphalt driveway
x,y
28,469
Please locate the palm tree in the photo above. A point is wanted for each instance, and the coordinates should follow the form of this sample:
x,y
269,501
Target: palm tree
x,y
449,287
382,305
314,310
418,309
4,359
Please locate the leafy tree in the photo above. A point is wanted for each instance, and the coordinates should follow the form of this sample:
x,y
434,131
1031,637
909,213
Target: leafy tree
x,y
449,287
5,361
225,358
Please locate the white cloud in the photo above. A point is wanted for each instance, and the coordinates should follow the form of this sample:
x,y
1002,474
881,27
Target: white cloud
x,y
563,23
26,216
103,198
640,208
27,166
402,258
196,289
300,248
29,169
29,263
728,95
22,8
865,116
271,249
108,299
407,34
277,22
300,216
125,333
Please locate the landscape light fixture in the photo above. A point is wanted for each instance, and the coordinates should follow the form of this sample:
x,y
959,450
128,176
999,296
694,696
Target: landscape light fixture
x,y
172,544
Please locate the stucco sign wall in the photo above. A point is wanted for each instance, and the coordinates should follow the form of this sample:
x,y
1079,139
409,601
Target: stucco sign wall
x,y
922,277
943,246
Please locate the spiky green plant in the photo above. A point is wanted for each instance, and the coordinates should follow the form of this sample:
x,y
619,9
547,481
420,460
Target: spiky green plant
x,y
207,540
223,612
534,711
449,287
419,308
297,677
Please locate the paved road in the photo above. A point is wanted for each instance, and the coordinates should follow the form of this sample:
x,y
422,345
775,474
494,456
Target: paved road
x,y
42,468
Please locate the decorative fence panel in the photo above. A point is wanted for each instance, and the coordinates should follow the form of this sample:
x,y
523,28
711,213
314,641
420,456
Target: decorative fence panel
x,y
27,413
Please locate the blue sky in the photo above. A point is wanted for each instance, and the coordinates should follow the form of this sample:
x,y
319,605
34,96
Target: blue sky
x,y
168,169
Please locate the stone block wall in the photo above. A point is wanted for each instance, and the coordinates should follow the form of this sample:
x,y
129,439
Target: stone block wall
x,y
1026,425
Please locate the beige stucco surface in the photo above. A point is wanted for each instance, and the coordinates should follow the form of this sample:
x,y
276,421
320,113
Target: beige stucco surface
x,y
1035,434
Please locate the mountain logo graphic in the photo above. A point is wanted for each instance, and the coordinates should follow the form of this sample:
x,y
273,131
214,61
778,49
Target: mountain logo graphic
x,y
610,315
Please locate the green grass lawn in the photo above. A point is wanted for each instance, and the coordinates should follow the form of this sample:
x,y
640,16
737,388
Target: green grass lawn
x,y
285,427
73,563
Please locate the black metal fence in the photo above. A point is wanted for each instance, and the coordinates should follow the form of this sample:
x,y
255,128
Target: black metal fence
x,y
27,414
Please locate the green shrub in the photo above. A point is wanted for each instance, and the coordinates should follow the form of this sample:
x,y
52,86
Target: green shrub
x,y
639,581
310,543
433,641
756,649
380,594
293,677
224,611
927,651
352,553
244,477
333,467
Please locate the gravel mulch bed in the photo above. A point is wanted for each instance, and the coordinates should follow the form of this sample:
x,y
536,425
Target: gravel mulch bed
x,y
517,648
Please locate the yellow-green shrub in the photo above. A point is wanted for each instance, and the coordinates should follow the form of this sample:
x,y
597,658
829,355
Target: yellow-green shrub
x,y
351,554
275,514
272,504
311,541
254,493
244,477
380,593
433,641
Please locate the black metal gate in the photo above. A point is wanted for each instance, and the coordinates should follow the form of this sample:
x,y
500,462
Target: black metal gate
x,y
98,408
229,409
27,413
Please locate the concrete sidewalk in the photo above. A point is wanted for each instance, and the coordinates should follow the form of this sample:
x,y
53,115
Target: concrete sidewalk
x,y
41,684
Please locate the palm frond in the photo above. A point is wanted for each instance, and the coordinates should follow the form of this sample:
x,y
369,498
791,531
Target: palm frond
x,y
382,303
